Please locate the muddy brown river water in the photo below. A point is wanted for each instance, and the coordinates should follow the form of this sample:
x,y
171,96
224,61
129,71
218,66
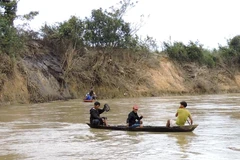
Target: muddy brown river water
x,y
58,130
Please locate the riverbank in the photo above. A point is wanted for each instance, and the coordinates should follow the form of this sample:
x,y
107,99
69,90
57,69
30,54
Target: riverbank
x,y
43,76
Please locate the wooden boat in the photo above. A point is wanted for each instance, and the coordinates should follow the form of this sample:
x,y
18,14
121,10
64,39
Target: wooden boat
x,y
91,100
187,128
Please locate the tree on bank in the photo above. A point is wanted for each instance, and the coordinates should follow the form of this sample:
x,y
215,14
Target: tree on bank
x,y
104,29
10,39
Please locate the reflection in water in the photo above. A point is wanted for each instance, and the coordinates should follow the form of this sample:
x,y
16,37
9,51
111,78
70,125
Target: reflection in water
x,y
58,130
115,137
183,141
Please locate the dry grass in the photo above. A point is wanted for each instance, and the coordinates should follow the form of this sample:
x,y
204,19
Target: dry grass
x,y
12,84
114,74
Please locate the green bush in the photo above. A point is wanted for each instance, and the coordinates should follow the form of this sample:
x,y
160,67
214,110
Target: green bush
x,y
176,51
193,52
235,43
229,56
208,58
103,29
10,41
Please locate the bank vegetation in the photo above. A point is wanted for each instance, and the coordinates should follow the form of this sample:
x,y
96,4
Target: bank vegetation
x,y
62,61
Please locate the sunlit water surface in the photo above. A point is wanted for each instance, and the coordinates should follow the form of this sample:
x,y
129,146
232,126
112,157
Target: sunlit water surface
x,y
58,130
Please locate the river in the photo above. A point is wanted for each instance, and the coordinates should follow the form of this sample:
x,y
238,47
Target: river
x,y
58,130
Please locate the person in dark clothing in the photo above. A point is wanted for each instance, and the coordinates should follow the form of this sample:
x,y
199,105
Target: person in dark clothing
x,y
91,94
133,119
95,118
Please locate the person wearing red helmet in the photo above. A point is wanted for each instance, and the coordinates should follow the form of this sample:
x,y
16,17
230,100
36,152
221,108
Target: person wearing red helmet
x,y
133,119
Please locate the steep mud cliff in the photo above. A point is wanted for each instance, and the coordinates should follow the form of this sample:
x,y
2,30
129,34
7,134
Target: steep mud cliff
x,y
41,77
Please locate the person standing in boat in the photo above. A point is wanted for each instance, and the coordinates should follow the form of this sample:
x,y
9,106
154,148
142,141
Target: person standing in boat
x,y
133,119
95,118
182,115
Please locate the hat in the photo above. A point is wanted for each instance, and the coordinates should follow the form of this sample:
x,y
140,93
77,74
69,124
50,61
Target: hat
x,y
96,103
135,106
184,103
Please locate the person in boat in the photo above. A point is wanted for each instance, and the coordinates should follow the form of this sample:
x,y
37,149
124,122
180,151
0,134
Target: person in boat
x,y
133,119
95,118
88,97
182,116
93,95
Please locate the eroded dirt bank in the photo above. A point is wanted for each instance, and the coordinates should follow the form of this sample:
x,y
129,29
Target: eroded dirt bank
x,y
45,77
